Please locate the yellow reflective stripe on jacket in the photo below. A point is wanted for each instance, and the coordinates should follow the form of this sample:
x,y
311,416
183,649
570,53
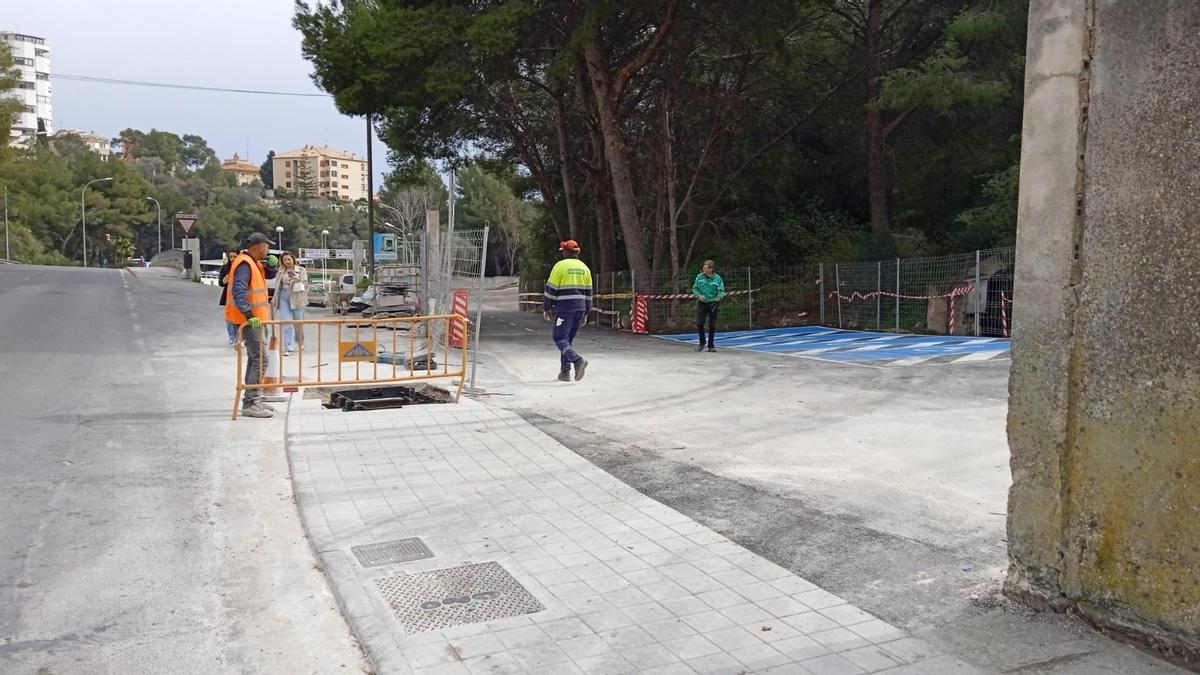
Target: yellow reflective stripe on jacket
x,y
569,287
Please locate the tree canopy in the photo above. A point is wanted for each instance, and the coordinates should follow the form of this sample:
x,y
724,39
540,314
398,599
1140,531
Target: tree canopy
x,y
659,132
45,183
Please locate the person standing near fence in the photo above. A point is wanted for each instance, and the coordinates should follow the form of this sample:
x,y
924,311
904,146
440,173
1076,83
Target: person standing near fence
x,y
223,281
567,301
709,289
291,297
247,304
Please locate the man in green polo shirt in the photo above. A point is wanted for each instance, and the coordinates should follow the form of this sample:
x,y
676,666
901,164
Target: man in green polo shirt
x,y
709,290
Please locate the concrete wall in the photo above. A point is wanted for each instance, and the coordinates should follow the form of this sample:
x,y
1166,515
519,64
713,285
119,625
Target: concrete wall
x,y
1104,423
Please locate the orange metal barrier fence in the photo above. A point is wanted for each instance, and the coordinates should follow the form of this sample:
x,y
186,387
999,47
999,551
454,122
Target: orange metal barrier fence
x,y
361,345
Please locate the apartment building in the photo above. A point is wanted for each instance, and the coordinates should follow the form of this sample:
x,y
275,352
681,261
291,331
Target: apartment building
x,y
321,171
31,58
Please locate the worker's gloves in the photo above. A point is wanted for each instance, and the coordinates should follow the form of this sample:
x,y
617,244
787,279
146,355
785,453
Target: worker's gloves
x,y
255,322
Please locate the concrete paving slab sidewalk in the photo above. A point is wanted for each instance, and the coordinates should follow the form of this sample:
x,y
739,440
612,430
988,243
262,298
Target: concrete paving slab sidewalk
x,y
626,584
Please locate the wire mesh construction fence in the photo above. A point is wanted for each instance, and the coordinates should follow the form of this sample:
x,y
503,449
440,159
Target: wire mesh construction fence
x,y
958,294
432,272
667,301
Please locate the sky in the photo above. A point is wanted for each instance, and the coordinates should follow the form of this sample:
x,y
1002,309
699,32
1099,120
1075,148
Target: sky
x,y
241,44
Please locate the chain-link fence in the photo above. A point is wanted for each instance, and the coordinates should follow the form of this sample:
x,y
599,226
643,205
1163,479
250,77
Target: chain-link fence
x,y
960,294
612,298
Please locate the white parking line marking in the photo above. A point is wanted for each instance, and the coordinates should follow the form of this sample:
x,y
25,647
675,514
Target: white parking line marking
x,y
913,360
981,356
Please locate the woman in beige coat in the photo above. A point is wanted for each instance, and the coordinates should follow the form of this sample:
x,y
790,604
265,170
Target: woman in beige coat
x,y
291,297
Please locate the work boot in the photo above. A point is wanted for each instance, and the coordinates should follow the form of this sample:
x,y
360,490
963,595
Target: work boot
x,y
256,409
268,406
564,375
580,367
712,348
701,347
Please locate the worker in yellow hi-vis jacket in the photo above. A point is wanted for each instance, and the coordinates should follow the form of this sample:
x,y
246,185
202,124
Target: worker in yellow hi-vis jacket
x,y
567,301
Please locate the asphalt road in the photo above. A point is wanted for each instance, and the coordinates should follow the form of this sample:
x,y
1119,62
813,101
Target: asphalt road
x,y
142,531
885,486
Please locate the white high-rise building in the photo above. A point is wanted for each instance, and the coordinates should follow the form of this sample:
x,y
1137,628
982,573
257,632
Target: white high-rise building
x,y
31,58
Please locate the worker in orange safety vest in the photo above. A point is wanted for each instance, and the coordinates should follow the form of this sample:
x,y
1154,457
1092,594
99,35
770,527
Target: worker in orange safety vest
x,y
247,305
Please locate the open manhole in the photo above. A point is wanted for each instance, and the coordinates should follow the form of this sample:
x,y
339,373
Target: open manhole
x,y
391,552
375,398
438,599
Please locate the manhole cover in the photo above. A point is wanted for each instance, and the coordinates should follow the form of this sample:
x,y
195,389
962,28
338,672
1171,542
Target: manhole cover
x,y
391,552
438,599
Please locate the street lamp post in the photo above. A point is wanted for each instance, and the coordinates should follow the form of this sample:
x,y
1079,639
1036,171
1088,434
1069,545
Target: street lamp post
x,y
83,213
279,238
325,261
158,210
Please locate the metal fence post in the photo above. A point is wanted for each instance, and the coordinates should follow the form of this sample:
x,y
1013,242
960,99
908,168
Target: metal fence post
x,y
977,289
837,285
821,290
878,293
749,300
897,295
479,308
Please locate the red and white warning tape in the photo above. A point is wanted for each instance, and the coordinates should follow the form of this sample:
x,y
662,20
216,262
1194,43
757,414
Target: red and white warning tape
x,y
686,296
961,290
629,296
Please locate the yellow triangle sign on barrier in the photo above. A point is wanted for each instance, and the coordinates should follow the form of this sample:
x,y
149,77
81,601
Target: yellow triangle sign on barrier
x,y
362,350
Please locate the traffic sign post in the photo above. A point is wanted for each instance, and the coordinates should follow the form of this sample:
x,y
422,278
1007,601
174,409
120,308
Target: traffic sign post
x,y
186,221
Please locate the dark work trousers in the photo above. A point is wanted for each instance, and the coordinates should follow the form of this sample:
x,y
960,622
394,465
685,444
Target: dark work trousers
x,y
565,328
256,352
706,312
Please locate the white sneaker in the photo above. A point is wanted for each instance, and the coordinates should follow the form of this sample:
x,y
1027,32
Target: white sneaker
x,y
256,409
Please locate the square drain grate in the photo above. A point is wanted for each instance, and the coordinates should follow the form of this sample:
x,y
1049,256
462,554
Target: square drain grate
x,y
391,552
425,601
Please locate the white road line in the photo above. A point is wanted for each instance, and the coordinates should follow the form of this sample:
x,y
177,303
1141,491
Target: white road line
x,y
869,348
774,343
822,350
925,344
980,356
977,341
914,360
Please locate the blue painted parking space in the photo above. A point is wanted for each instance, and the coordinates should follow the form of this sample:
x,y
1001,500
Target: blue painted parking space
x,y
862,348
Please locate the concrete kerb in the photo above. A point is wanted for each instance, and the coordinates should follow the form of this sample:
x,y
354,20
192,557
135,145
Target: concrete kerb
x,y
333,516
319,537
